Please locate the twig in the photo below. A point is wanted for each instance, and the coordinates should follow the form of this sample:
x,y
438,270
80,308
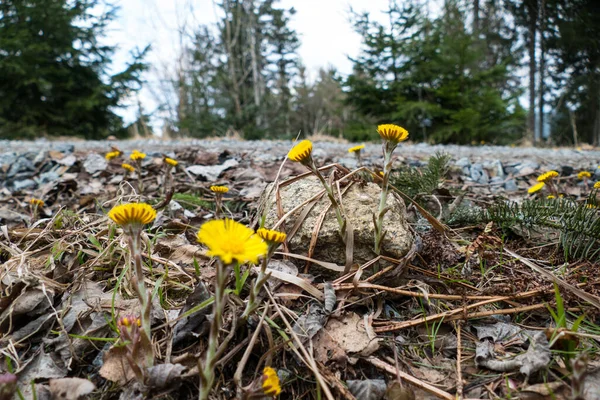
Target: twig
x,y
459,381
306,358
237,377
409,378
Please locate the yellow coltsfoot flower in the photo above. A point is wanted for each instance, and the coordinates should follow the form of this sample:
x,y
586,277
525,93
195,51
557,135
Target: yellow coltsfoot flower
x,y
301,152
356,148
128,167
551,197
547,176
270,235
229,240
270,382
392,133
171,162
112,154
137,155
132,214
597,185
219,189
36,202
536,188
584,175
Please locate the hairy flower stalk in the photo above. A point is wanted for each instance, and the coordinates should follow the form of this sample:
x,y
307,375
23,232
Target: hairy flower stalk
x,y
132,217
219,191
170,165
137,157
273,239
302,153
35,204
356,150
546,178
391,135
233,244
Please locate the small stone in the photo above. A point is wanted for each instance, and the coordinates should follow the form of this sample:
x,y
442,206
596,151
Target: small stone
x,y
94,163
47,177
527,168
511,185
63,147
211,172
566,170
465,165
349,162
24,184
22,164
478,174
496,168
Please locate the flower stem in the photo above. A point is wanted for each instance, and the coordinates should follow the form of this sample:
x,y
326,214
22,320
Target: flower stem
x,y
207,372
387,169
334,203
143,294
218,205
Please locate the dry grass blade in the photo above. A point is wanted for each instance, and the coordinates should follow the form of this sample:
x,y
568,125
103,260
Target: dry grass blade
x,y
593,300
409,378
294,280
324,264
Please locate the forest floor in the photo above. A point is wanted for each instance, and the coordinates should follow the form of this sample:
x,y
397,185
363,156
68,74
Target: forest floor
x,y
499,296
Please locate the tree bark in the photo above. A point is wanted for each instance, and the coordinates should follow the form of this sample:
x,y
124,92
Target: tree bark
x,y
230,43
249,7
542,70
475,15
532,15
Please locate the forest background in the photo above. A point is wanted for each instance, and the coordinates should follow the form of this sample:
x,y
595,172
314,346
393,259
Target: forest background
x,y
493,71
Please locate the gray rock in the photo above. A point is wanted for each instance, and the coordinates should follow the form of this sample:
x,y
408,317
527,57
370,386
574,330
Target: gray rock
x,y
319,153
94,162
511,185
349,162
478,174
40,157
360,202
24,184
463,162
63,147
22,164
7,158
47,177
496,169
526,168
465,165
67,161
211,172
566,170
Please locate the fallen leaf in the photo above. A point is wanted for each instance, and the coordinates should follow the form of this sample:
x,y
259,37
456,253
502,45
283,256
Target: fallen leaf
x,y
369,389
70,388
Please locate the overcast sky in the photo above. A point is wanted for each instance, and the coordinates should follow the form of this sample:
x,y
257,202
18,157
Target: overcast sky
x,y
325,34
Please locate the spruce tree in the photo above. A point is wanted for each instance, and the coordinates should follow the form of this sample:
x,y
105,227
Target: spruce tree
x,y
54,72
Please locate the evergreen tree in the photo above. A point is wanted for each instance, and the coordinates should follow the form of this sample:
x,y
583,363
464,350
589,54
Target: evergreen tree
x,y
573,47
54,75
438,78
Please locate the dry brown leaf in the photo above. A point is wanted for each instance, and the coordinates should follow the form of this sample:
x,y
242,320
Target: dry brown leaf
x,y
348,334
70,388
116,367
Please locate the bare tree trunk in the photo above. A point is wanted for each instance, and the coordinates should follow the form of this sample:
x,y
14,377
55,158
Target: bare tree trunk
x,y
542,69
249,7
230,44
574,127
532,13
475,15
